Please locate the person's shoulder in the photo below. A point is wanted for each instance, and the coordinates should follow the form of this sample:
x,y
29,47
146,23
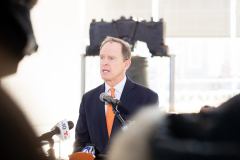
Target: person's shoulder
x,y
138,87
144,93
143,89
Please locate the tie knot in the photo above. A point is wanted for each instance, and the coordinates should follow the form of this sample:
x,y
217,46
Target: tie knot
x,y
112,91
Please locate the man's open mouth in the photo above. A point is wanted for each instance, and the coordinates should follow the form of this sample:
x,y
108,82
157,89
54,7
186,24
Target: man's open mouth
x,y
105,71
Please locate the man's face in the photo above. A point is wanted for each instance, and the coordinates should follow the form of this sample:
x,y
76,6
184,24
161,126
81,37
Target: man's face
x,y
112,65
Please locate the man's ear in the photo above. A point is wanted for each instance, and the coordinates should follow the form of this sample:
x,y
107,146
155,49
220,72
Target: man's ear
x,y
127,64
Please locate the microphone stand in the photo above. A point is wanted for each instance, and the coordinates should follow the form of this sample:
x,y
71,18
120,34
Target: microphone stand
x,y
48,137
125,124
117,113
51,151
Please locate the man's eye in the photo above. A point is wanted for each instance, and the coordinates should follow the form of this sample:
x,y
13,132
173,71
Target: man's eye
x,y
112,58
101,57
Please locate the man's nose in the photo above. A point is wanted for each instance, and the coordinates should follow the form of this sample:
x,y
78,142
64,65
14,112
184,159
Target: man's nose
x,y
105,62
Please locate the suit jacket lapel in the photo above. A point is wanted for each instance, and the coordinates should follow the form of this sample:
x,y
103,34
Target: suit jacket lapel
x,y
101,112
126,99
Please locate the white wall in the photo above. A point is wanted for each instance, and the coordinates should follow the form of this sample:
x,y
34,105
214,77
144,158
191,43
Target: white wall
x,y
196,18
47,83
238,17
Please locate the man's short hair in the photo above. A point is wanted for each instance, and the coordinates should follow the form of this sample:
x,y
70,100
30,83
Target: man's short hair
x,y
126,48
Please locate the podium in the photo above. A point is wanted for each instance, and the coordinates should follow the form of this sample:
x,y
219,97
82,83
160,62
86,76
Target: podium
x,y
81,156
86,156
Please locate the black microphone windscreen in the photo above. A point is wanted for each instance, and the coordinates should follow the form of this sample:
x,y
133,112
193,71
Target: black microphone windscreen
x,y
101,96
70,125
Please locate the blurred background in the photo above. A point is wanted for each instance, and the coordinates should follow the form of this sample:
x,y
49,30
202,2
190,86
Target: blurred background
x,y
203,34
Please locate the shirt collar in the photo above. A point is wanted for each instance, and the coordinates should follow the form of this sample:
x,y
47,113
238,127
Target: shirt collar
x,y
119,87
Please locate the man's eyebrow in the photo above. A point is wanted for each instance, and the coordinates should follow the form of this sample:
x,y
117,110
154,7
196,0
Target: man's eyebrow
x,y
113,56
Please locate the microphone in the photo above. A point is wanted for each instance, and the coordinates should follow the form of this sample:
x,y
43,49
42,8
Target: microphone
x,y
115,102
106,98
61,129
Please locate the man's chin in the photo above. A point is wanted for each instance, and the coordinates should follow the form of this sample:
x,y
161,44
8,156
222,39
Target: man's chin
x,y
105,79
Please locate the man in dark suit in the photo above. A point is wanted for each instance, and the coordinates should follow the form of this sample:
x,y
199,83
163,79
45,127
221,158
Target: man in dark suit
x,y
97,123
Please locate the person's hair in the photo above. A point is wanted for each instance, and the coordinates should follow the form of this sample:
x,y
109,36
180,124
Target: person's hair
x,y
126,48
30,3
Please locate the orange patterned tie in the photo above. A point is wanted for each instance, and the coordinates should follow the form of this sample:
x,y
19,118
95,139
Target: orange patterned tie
x,y
110,115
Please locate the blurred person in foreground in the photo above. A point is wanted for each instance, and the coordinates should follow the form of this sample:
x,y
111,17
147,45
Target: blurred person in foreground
x,y
210,135
97,123
17,140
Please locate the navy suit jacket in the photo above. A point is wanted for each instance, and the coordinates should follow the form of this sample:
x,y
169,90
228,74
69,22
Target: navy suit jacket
x,y
91,126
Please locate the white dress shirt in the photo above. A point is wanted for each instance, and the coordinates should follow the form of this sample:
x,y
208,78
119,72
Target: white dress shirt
x,y
117,92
